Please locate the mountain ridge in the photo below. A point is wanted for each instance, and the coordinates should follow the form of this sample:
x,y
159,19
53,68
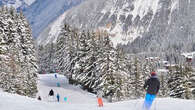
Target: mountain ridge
x,y
124,19
137,25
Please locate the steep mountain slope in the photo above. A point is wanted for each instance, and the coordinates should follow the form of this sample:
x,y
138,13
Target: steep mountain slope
x,y
40,13
43,12
124,19
153,23
172,30
51,32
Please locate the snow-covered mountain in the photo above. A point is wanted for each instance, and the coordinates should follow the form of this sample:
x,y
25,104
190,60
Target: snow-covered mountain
x,y
124,19
40,13
156,23
18,4
43,12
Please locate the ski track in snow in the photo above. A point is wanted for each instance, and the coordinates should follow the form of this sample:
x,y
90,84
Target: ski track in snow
x,y
80,100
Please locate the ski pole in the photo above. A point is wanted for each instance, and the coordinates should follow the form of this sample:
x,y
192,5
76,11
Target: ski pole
x,y
136,104
155,104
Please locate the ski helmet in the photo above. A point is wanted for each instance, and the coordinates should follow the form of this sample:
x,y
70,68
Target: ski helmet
x,y
153,73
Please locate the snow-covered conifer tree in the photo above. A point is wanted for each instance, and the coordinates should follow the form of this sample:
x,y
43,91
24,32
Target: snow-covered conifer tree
x,y
83,54
109,77
180,84
61,53
20,65
137,79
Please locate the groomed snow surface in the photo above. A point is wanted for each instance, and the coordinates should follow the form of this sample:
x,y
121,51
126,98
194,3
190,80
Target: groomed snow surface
x,y
80,100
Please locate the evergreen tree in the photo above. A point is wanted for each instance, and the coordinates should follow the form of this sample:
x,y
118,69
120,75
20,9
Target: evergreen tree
x,y
72,54
164,91
137,79
83,69
19,62
90,69
40,54
29,63
110,80
180,84
62,50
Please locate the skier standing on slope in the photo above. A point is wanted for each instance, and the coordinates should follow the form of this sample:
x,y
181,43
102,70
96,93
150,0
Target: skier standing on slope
x,y
152,86
58,97
51,95
51,92
55,75
99,98
110,95
39,98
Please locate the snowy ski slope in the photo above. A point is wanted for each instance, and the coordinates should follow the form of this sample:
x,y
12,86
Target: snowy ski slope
x,y
80,100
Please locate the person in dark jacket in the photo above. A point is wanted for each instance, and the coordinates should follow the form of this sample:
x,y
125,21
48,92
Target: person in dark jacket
x,y
39,98
110,95
152,86
51,92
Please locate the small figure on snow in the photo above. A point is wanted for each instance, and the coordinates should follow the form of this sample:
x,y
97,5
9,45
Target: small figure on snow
x,y
110,95
56,75
58,84
152,86
99,98
65,99
51,92
51,95
58,97
39,98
